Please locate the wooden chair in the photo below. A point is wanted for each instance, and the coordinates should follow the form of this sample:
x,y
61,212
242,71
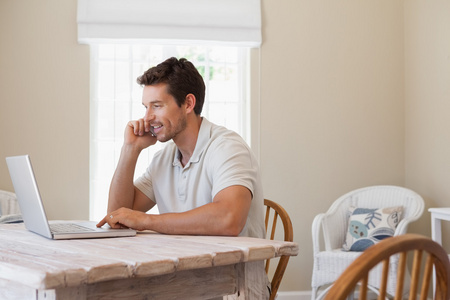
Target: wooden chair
x,y
273,210
426,253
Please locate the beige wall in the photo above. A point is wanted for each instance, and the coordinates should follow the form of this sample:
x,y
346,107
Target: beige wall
x,y
353,93
427,105
332,107
44,100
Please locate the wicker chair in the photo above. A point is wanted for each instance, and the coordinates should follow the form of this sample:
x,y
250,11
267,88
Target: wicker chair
x,y
424,251
332,260
8,203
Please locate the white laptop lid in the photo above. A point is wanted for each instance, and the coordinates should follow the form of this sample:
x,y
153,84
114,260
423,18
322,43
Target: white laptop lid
x,y
33,212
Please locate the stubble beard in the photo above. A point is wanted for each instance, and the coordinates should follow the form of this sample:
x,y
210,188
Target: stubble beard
x,y
180,127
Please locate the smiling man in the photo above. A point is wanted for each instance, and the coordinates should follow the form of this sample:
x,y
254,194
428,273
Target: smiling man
x,y
205,181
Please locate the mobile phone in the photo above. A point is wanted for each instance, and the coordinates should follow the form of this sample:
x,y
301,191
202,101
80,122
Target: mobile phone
x,y
152,131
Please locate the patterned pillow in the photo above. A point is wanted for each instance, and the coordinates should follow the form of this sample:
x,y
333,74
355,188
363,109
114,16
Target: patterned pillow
x,y
368,226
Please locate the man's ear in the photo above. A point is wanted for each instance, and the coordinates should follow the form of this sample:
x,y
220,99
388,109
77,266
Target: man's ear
x,y
190,102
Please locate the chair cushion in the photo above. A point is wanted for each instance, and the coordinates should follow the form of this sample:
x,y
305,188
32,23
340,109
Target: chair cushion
x,y
368,226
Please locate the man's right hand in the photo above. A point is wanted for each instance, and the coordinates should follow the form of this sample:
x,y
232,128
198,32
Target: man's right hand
x,y
138,134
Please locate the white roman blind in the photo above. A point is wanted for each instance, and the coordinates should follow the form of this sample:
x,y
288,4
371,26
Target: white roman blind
x,y
229,22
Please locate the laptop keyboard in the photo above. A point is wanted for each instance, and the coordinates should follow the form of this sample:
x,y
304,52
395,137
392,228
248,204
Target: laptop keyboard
x,y
68,227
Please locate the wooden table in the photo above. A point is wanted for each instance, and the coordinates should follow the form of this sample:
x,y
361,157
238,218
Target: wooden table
x,y
147,266
437,215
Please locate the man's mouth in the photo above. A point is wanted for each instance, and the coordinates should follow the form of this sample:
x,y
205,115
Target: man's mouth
x,y
156,128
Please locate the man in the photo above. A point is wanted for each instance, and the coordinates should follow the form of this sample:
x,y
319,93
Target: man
x,y
205,181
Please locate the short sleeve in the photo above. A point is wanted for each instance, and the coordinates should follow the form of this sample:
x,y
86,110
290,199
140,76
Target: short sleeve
x,y
231,164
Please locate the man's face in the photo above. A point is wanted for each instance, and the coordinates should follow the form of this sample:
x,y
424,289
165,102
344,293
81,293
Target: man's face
x,y
163,114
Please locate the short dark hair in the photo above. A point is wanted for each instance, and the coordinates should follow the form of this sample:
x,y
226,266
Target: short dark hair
x,y
181,77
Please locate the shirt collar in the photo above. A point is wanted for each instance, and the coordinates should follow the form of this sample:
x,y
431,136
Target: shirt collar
x,y
204,134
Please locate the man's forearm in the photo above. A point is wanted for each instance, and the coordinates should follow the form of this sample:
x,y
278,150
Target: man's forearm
x,y
226,215
121,192
200,221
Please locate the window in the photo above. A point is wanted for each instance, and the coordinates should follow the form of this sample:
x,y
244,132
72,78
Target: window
x,y
116,99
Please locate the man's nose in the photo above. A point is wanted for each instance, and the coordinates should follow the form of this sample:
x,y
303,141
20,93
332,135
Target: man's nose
x,y
149,116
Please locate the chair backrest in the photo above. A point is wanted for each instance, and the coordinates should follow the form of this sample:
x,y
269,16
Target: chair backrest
x,y
422,248
8,203
273,211
370,197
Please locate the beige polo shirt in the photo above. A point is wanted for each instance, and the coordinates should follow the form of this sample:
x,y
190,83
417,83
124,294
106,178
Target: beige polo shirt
x,y
221,159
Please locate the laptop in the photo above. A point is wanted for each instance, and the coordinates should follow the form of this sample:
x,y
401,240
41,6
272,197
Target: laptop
x,y
33,212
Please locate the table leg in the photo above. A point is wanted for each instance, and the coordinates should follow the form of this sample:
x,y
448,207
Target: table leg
x,y
436,229
252,282
436,235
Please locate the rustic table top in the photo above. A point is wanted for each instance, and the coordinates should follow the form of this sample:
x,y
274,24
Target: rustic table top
x,y
41,263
